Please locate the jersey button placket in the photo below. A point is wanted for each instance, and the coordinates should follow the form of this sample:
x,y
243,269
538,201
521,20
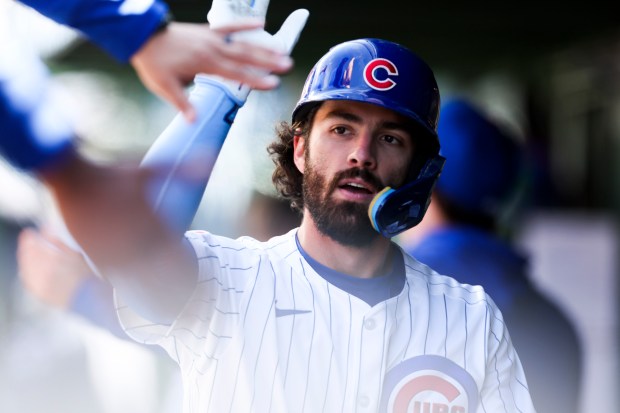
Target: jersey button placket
x,y
372,342
370,324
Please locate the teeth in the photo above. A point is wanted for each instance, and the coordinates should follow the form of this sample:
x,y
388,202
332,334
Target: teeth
x,y
356,185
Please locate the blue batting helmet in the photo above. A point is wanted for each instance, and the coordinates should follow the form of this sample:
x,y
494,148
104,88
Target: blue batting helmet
x,y
484,162
389,75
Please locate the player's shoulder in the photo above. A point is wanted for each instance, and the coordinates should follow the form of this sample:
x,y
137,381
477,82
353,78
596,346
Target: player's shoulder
x,y
444,285
244,244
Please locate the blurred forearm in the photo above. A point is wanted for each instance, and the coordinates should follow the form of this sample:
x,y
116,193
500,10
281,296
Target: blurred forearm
x,y
107,213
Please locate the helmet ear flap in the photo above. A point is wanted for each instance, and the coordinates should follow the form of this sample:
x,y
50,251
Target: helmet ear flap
x,y
393,211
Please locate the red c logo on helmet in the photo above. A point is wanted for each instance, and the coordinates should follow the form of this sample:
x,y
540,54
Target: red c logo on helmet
x,y
380,84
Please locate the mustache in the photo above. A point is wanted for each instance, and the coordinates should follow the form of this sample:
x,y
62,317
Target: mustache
x,y
361,173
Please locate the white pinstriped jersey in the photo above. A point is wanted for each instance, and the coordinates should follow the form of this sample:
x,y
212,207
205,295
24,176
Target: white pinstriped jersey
x,y
263,332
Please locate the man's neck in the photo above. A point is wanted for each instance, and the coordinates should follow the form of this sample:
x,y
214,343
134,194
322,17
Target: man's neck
x,y
364,262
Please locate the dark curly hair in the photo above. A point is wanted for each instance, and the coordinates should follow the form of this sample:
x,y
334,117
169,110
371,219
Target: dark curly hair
x,y
286,177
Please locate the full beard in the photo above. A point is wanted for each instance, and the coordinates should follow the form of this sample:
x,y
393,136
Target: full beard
x,y
345,222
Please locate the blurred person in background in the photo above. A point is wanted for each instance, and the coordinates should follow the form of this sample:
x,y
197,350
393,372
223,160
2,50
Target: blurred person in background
x,y
463,235
167,54
60,277
38,137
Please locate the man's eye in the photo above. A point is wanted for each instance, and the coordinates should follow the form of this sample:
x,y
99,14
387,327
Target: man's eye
x,y
340,130
391,139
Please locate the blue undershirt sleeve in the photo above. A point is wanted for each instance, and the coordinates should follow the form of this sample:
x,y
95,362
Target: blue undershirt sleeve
x,y
184,155
118,27
94,301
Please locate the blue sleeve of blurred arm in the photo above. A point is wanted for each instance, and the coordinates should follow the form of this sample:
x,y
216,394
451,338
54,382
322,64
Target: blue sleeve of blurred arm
x,y
118,27
31,138
94,300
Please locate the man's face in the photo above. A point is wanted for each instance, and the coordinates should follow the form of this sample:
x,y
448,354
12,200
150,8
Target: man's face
x,y
354,150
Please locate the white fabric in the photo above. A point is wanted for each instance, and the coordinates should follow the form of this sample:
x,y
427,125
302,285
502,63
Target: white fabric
x,y
223,13
264,332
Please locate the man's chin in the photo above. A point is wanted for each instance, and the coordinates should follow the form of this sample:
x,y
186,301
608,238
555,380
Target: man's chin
x,y
354,237
347,223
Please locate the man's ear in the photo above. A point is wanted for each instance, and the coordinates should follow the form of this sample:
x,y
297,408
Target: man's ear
x,y
299,150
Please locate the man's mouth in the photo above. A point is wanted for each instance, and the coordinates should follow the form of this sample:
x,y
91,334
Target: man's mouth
x,y
356,185
357,188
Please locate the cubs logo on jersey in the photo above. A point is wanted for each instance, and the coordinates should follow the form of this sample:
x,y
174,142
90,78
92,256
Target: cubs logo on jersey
x,y
429,384
379,73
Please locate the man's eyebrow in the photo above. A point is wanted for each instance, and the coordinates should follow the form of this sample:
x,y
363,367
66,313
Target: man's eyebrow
x,y
352,117
342,114
402,126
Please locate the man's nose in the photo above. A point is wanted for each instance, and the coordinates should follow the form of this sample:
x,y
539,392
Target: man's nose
x,y
363,153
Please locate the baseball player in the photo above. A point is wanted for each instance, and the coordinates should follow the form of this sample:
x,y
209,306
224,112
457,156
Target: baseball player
x,y
461,237
332,316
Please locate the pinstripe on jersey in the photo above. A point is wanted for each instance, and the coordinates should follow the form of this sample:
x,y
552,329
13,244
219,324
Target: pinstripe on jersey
x,y
264,332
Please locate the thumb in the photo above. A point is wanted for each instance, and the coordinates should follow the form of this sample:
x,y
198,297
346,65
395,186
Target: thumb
x,y
291,29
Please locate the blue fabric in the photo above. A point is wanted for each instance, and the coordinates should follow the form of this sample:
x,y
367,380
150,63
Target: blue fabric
x,y
119,27
371,290
34,134
185,153
94,300
24,140
473,256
